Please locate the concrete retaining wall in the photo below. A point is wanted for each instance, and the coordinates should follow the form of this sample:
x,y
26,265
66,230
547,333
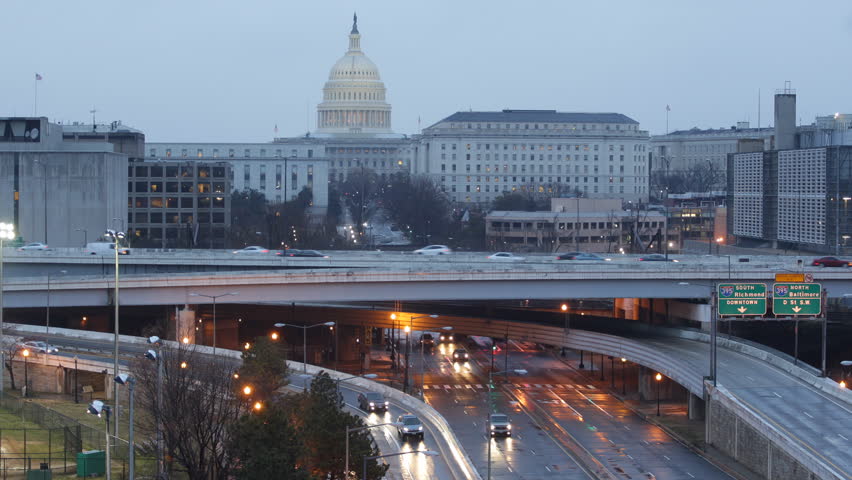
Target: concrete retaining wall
x,y
738,431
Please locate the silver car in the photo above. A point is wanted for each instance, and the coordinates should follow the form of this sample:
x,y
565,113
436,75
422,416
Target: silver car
x,y
39,347
500,425
409,426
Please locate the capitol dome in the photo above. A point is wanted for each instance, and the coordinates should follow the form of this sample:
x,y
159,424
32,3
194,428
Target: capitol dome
x,y
354,95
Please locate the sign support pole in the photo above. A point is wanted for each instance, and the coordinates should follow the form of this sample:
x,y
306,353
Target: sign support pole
x,y
713,325
824,333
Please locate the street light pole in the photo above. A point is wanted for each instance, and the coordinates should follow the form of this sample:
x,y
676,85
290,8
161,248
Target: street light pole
x,y
407,344
623,376
7,232
304,339
214,297
116,237
125,379
26,354
659,380
349,430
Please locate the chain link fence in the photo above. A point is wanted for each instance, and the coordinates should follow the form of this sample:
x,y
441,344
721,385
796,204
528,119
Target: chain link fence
x,y
56,444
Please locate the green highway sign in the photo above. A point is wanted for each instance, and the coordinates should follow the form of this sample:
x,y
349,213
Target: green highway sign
x,y
797,299
741,298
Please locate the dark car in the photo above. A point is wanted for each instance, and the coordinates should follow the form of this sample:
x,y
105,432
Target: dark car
x,y
372,402
830,262
656,257
591,257
409,426
290,252
308,253
447,338
427,340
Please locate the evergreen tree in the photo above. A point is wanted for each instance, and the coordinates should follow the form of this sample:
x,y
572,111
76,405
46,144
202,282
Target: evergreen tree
x,y
265,445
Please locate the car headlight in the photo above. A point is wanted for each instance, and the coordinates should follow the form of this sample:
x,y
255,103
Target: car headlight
x,y
493,427
420,428
508,427
387,403
404,429
372,404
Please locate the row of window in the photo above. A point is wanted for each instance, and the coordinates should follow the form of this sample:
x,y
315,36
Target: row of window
x,y
638,170
232,153
158,171
176,202
558,180
507,226
636,158
586,189
176,187
139,218
546,126
365,150
550,147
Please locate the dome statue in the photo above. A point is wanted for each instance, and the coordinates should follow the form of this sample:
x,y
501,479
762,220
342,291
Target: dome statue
x,y
354,95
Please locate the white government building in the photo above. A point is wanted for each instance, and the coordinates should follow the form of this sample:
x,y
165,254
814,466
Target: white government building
x,y
476,156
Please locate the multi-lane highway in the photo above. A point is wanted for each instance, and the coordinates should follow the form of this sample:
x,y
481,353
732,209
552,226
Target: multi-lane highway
x,y
564,424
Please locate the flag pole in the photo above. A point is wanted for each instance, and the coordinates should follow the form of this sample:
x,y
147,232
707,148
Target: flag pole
x,y
35,95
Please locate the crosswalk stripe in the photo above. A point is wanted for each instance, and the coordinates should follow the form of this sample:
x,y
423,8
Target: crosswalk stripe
x,y
480,386
549,386
469,386
448,387
458,387
537,385
425,387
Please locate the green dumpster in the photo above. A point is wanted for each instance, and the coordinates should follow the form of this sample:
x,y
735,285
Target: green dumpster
x,y
42,474
91,463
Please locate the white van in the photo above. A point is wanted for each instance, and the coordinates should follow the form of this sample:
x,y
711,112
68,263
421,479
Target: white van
x,y
104,248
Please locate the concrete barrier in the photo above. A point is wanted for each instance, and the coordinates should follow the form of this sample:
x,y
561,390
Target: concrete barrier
x,y
783,457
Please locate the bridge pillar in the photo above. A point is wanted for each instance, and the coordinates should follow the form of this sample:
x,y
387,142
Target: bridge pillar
x,y
185,323
627,308
695,407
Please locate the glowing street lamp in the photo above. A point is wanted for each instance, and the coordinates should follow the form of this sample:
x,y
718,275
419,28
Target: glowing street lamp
x,y
659,378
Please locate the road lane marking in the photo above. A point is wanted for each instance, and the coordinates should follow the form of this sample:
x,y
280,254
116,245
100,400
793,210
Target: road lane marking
x,y
807,414
691,475
776,394
595,404
841,436
667,458
548,469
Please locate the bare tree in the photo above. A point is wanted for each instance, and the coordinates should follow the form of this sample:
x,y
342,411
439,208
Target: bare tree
x,y
12,349
199,407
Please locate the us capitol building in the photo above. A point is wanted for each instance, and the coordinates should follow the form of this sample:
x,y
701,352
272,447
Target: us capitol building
x,y
474,156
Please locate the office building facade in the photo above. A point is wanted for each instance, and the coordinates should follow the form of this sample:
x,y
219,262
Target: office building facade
x,y
478,156
56,190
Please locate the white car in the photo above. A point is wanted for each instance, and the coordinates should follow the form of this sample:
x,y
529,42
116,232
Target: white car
x,y
33,246
104,248
434,250
253,250
506,257
39,347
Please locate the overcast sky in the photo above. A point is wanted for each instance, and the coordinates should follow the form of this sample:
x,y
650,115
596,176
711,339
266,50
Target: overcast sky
x,y
212,70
